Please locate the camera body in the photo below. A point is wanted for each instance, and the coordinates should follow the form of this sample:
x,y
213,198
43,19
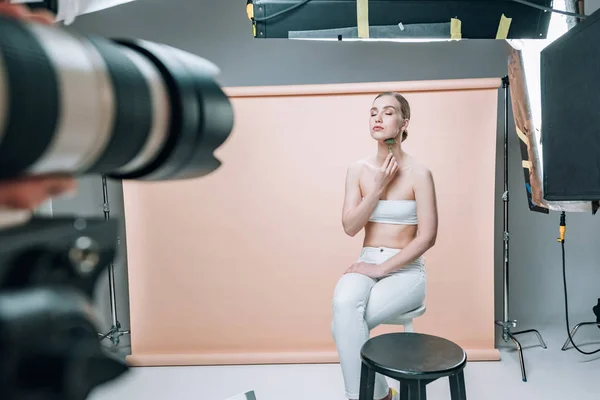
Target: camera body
x,y
49,346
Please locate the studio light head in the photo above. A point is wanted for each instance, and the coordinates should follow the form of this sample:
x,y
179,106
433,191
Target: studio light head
x,y
318,19
69,103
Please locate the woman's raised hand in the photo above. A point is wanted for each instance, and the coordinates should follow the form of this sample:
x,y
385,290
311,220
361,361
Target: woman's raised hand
x,y
386,173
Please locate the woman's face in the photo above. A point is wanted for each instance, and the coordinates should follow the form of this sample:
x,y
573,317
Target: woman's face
x,y
386,120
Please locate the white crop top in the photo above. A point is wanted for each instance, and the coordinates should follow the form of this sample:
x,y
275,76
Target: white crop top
x,y
400,212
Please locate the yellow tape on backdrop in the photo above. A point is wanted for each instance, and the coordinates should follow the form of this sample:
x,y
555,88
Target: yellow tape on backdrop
x,y
503,27
362,14
455,29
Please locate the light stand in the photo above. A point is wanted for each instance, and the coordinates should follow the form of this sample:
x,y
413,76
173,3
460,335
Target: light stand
x,y
596,310
115,332
507,324
574,330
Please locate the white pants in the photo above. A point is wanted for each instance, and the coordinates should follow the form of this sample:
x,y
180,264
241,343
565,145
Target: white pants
x,y
361,303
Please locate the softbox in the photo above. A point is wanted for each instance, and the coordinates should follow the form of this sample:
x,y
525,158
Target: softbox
x,y
570,131
479,18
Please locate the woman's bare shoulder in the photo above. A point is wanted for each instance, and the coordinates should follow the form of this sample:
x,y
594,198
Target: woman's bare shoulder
x,y
422,171
422,178
419,172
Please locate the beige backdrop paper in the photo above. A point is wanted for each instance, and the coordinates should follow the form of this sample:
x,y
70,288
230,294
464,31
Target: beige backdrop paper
x,y
239,267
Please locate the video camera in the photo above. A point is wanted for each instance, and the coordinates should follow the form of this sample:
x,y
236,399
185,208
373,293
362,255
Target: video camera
x,y
77,104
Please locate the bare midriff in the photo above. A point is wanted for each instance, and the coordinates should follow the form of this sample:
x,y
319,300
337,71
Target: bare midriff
x,y
389,235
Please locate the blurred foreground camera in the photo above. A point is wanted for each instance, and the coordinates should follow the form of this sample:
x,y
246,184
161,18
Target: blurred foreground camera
x,y
127,109
49,348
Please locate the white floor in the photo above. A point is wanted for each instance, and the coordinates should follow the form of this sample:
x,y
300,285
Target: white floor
x,y
552,374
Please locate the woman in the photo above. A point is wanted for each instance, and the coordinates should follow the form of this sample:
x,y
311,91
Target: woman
x,y
393,197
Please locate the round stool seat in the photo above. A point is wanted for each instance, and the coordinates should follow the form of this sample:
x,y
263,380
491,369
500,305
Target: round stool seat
x,y
413,356
415,360
402,318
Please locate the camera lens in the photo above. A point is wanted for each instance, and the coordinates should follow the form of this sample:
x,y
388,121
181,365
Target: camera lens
x,y
129,109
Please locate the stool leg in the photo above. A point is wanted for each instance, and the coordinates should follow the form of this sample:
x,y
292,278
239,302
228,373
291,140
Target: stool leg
x,y
417,390
408,326
457,386
404,390
367,383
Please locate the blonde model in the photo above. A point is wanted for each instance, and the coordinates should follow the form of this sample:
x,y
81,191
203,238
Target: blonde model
x,y
392,197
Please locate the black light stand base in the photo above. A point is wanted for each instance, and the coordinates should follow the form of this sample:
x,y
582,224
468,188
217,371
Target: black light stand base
x,y
114,334
507,334
574,330
507,324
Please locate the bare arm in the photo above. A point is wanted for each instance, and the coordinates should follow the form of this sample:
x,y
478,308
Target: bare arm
x,y
428,224
356,210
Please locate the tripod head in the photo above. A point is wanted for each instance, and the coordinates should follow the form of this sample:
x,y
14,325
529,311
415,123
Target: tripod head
x,y
49,345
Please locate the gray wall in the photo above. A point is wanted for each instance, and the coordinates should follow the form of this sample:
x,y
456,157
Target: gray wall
x,y
219,31
591,6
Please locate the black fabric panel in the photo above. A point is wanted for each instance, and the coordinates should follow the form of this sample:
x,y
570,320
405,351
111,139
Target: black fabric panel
x,y
571,114
479,18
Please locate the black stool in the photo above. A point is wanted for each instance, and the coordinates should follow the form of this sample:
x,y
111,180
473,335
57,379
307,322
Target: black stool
x,y
415,360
